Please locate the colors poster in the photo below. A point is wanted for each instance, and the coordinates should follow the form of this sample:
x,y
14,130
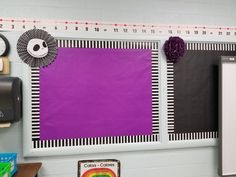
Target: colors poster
x,y
99,168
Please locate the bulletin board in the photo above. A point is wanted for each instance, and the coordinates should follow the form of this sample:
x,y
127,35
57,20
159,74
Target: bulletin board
x,y
193,91
157,93
115,103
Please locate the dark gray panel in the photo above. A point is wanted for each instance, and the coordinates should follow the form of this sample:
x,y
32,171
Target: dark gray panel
x,y
196,91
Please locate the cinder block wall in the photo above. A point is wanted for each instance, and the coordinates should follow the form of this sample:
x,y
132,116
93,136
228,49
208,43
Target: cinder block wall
x,y
189,162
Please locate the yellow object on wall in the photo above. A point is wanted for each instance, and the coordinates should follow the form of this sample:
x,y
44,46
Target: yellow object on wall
x,y
5,63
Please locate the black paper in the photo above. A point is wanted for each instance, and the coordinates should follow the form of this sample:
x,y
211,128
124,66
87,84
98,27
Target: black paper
x,y
196,91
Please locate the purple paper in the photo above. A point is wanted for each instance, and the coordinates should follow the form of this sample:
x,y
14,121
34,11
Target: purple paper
x,y
96,93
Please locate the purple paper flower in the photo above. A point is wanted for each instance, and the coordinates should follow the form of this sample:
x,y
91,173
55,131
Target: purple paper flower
x,y
174,49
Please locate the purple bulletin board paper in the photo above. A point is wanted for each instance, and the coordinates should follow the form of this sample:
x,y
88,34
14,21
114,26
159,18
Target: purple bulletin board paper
x,y
91,92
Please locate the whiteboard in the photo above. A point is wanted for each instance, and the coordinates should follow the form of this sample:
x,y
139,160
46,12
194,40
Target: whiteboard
x,y
228,116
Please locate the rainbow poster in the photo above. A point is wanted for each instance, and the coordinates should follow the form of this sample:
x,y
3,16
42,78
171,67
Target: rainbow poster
x,y
99,168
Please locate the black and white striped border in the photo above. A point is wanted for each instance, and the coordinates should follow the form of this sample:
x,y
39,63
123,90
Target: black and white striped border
x,y
170,91
192,136
211,46
155,90
35,101
94,141
170,96
37,143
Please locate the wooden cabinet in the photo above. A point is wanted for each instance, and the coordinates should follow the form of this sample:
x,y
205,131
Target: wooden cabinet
x,y
28,170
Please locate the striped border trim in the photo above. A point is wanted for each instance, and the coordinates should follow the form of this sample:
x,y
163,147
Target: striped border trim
x,y
37,143
211,46
170,91
93,141
155,90
170,96
35,100
108,44
192,136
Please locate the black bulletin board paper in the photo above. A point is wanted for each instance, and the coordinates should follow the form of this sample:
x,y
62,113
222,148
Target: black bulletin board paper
x,y
196,93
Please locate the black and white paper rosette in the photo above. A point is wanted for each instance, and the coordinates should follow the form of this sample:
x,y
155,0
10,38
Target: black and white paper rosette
x,y
37,48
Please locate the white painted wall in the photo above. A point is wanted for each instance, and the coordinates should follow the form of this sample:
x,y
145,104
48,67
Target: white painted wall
x,y
191,162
